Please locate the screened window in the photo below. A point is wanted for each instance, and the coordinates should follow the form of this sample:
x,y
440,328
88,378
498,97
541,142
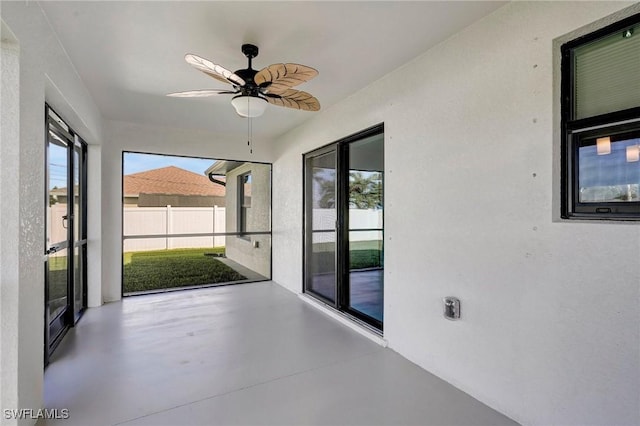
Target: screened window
x,y
601,123
244,200
181,222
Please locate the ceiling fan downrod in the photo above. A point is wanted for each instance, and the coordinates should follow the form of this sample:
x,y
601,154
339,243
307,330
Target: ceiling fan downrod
x,y
250,51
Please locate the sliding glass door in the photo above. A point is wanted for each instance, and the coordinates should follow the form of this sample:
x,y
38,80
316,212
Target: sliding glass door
x,y
344,229
365,228
65,230
321,215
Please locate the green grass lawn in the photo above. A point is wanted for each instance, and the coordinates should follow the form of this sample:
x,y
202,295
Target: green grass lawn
x,y
57,281
161,269
364,259
362,255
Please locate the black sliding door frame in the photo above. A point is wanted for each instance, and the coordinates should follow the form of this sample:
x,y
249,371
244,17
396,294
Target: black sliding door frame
x,y
342,300
80,241
56,326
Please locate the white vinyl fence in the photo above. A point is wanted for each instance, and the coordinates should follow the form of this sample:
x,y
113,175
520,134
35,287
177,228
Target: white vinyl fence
x,y
192,220
172,220
358,219
56,227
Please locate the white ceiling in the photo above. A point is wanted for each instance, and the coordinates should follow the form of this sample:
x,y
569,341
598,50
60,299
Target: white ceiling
x,y
130,54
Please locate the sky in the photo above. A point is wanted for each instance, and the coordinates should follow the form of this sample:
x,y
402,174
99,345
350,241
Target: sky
x,y
57,166
135,162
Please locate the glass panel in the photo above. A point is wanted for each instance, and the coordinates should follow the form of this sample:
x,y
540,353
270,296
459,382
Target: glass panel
x,y
607,74
76,195
321,210
79,254
366,258
199,197
57,281
321,267
79,229
366,268
57,175
609,170
323,190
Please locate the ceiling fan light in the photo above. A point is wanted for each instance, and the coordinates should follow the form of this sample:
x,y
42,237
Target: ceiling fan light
x,y
603,146
249,106
633,153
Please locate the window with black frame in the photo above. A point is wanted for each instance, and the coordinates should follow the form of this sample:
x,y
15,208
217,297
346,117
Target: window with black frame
x,y
601,123
244,201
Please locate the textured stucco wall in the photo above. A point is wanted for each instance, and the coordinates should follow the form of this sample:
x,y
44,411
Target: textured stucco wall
x,y
9,216
241,249
45,75
549,332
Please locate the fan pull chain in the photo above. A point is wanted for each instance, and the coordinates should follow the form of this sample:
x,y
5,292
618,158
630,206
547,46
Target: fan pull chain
x,y
250,135
249,128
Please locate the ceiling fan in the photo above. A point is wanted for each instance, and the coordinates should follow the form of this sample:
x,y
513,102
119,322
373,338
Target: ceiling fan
x,y
254,89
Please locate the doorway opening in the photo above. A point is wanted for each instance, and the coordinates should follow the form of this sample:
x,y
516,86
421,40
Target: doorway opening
x,y
190,222
344,225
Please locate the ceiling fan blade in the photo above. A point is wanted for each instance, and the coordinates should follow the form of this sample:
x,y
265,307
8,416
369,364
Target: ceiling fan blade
x,y
296,99
214,70
201,93
277,78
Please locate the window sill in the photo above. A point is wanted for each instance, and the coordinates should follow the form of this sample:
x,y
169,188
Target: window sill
x,y
598,220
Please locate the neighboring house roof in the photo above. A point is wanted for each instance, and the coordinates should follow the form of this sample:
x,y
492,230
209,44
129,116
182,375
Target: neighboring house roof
x,y
171,181
62,191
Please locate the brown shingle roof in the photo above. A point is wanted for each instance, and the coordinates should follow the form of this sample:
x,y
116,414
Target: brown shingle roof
x,y
170,180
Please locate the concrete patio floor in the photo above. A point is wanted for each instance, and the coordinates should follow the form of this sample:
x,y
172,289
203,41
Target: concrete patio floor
x,y
243,354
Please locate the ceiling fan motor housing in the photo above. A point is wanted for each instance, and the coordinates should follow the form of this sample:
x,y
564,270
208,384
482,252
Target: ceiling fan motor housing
x,y
250,50
250,88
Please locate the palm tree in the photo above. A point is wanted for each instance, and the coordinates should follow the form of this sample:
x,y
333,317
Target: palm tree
x,y
365,192
325,188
